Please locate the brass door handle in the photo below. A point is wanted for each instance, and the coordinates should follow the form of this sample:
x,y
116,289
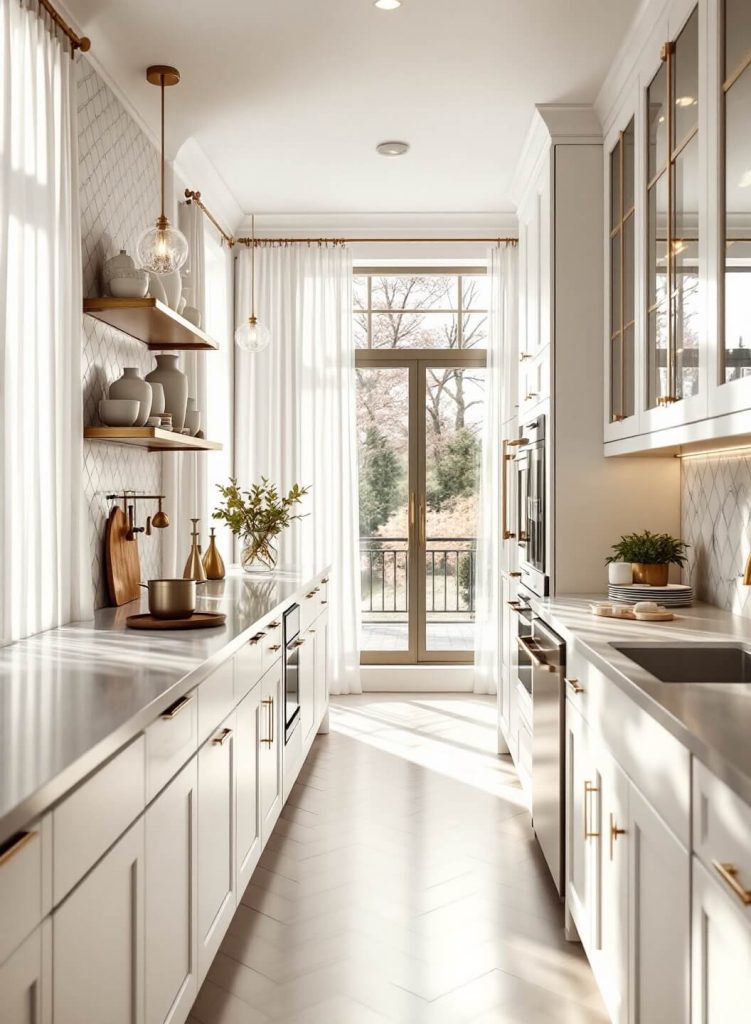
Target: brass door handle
x,y
575,685
729,874
614,833
256,639
268,702
17,844
174,709
589,788
422,523
412,510
221,739
534,657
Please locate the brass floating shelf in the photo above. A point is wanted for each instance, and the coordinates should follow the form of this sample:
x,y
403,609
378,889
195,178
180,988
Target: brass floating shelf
x,y
150,321
153,439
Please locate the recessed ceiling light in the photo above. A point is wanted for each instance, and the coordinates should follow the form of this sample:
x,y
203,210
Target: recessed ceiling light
x,y
388,5
392,148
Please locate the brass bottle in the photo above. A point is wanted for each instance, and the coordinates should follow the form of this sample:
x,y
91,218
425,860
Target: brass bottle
x,y
213,564
194,566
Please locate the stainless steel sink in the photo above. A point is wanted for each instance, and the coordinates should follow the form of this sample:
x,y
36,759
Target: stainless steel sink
x,y
694,663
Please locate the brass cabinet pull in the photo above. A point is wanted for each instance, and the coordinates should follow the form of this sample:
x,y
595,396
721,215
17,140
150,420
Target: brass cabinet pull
x,y
273,625
524,355
506,533
729,874
174,709
323,601
269,703
16,844
325,579
517,442
515,575
256,639
300,642
311,594
539,662
516,606
614,833
275,648
530,396
589,788
221,739
575,685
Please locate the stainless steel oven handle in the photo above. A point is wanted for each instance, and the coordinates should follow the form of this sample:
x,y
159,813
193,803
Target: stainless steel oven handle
x,y
538,662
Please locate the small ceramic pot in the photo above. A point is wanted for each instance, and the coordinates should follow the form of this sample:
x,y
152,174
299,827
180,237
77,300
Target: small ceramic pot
x,y
620,573
132,385
651,575
119,412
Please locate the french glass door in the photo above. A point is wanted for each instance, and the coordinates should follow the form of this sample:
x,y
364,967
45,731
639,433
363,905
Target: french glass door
x,y
419,425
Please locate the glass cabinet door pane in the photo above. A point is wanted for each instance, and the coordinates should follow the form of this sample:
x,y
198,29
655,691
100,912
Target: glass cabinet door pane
x,y
615,185
657,152
737,277
616,387
615,284
628,271
657,217
657,368
629,372
685,244
686,80
628,167
737,34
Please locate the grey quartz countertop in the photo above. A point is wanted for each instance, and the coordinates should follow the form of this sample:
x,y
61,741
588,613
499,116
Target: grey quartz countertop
x,y
712,719
71,697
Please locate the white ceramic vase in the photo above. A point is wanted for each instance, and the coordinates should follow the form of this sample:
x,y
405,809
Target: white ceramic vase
x,y
121,265
173,288
157,398
132,385
175,385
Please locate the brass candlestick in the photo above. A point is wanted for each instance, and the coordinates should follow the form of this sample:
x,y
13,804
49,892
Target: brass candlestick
x,y
194,566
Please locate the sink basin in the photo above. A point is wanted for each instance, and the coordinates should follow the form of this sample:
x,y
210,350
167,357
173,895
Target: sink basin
x,y
694,663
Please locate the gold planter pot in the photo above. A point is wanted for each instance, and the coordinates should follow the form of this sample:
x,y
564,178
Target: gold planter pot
x,y
651,575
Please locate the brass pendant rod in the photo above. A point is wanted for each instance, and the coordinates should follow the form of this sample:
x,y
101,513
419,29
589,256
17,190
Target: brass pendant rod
x,y
253,268
195,197
248,242
162,152
82,43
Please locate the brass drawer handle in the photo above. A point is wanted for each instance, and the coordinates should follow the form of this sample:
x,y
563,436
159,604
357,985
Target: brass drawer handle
x,y
174,709
516,606
311,631
515,575
729,874
275,648
311,594
589,788
221,739
269,703
524,355
575,685
256,639
299,643
324,602
517,442
534,657
325,579
15,845
614,833
273,625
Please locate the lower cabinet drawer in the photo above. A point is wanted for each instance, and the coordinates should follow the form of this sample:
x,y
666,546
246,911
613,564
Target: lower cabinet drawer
x,y
272,644
170,741
216,698
249,664
722,836
22,862
89,821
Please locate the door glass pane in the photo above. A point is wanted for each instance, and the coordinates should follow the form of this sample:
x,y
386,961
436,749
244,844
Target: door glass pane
x,y
686,80
657,123
383,458
453,423
737,34
628,167
738,227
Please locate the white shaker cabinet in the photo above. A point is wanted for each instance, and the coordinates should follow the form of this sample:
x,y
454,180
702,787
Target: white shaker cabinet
x,y
580,862
321,666
250,723
270,750
721,953
171,898
308,683
216,841
98,940
25,980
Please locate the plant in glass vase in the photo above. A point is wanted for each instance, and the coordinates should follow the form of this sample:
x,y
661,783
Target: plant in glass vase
x,y
258,516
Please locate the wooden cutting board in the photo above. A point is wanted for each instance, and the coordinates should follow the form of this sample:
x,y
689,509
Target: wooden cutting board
x,y
123,563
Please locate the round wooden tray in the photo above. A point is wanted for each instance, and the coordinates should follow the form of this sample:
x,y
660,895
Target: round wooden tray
x,y
198,620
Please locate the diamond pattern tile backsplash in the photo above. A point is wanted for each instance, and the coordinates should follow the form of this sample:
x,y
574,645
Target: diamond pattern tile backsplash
x,y
119,193
716,522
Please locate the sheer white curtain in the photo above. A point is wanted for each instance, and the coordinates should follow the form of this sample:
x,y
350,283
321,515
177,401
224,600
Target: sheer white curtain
x,y
185,473
46,576
502,328
295,420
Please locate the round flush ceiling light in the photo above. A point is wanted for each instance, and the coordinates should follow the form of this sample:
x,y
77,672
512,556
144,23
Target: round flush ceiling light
x,y
388,5
392,148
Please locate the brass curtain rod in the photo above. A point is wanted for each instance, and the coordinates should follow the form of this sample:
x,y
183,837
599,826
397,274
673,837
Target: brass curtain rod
x,y
82,43
344,241
195,197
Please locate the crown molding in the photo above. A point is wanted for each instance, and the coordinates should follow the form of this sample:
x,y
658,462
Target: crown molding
x,y
382,225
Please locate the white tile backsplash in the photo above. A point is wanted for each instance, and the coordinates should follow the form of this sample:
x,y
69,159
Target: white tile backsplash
x,y
716,522
119,195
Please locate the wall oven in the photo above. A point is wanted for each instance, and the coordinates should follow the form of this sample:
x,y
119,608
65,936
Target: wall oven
x,y
531,506
292,645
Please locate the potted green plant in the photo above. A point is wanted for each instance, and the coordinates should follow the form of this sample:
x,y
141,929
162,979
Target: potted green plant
x,y
257,516
651,555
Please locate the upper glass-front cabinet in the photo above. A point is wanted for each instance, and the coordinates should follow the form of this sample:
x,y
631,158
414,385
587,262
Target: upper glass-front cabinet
x,y
736,290
622,277
673,307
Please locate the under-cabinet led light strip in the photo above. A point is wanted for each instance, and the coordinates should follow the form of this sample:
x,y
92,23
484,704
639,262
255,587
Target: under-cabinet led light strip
x,y
704,453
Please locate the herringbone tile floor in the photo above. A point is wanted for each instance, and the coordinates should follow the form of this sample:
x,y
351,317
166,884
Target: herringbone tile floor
x,y
402,884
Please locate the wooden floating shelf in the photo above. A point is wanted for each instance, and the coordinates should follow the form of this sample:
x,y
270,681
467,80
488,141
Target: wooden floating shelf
x,y
150,321
153,439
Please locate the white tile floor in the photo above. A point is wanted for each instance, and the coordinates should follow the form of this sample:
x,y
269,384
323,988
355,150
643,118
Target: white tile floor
x,y
402,884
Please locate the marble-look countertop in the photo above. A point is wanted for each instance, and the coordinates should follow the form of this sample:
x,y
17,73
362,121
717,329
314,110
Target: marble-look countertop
x,y
71,697
712,719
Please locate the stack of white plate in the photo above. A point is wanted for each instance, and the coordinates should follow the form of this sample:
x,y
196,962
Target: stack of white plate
x,y
674,595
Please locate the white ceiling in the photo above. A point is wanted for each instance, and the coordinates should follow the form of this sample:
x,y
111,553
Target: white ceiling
x,y
288,98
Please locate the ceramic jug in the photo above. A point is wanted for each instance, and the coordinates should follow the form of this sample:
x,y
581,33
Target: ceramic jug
x,y
175,385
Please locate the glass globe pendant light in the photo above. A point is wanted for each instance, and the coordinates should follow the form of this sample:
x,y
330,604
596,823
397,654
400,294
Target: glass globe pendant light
x,y
251,336
162,249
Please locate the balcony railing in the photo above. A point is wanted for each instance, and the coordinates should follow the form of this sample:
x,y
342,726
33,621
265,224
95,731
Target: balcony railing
x,y
449,574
